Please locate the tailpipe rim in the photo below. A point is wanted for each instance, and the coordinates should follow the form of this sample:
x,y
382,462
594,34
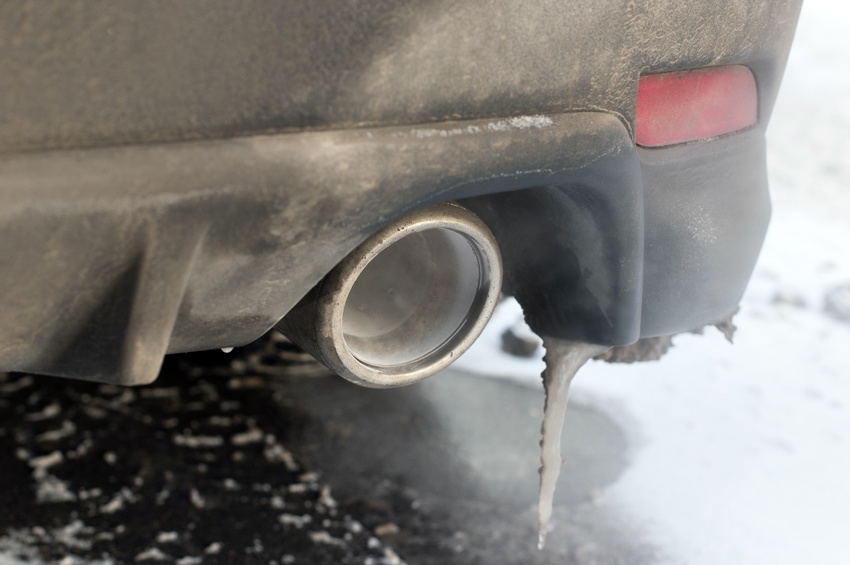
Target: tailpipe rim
x,y
336,287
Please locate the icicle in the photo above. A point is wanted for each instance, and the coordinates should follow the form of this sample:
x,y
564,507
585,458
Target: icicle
x,y
563,360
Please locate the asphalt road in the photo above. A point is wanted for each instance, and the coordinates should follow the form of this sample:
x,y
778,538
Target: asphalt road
x,y
260,456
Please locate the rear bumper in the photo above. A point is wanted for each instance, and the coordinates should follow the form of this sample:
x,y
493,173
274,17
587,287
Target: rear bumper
x,y
111,258
707,209
637,244
174,179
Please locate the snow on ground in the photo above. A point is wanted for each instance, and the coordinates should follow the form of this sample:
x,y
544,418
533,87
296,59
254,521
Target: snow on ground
x,y
742,453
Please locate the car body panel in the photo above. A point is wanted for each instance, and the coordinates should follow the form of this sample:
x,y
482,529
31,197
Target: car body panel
x,y
92,72
177,177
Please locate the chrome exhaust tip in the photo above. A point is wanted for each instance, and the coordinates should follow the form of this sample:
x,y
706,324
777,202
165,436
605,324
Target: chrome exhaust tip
x,y
406,303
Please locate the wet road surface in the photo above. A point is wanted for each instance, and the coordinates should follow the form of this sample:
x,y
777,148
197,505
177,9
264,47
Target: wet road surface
x,y
262,457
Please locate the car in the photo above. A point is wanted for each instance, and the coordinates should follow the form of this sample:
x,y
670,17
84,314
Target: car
x,y
370,176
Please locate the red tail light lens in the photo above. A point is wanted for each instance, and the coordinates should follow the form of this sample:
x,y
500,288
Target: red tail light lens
x,y
692,105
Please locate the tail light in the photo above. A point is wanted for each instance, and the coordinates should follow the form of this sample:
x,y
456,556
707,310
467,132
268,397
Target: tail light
x,y
691,105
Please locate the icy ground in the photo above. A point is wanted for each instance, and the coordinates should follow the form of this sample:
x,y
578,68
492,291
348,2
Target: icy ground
x,y
742,453
739,454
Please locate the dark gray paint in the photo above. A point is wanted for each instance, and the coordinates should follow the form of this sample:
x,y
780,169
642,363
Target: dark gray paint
x,y
291,140
95,72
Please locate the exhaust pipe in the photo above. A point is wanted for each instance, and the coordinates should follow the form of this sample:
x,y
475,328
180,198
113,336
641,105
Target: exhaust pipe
x,y
404,304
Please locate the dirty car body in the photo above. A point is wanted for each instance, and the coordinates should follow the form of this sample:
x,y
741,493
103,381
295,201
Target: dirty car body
x,y
177,177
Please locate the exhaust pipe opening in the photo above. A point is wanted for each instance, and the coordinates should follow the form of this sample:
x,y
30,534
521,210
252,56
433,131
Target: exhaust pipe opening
x,y
408,301
413,298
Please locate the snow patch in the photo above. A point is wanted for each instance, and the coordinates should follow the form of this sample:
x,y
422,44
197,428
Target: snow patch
x,y
276,453
50,489
118,501
293,520
68,429
48,412
325,538
254,435
197,500
15,386
197,442
152,554
167,537
41,464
